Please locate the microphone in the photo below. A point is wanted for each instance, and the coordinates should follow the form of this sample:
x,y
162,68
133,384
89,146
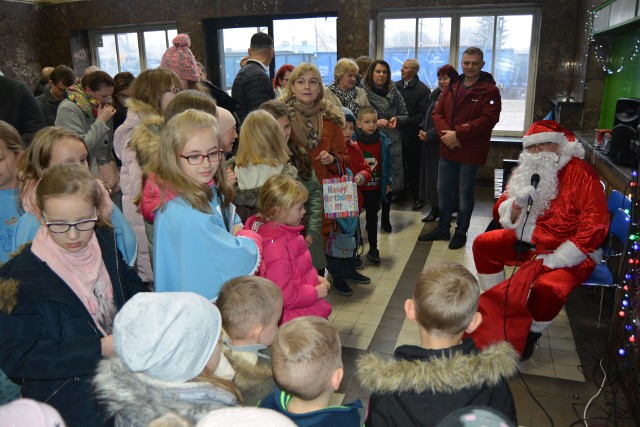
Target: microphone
x,y
535,180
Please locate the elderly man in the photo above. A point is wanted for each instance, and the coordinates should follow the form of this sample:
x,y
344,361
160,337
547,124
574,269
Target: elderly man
x,y
564,226
252,85
416,98
464,117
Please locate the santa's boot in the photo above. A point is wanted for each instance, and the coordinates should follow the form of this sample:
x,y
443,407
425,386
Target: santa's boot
x,y
487,281
535,332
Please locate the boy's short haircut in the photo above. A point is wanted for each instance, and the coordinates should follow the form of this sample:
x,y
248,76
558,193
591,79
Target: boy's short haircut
x,y
446,298
246,302
367,109
304,355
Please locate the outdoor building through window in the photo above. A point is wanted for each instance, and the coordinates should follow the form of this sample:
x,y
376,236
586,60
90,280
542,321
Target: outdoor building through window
x,y
133,49
506,38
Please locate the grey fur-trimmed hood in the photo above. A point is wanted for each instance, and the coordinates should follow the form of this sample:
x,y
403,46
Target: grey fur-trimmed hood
x,y
136,399
439,375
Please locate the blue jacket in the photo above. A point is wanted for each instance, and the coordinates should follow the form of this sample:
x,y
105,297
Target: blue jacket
x,y
126,239
49,340
350,415
194,252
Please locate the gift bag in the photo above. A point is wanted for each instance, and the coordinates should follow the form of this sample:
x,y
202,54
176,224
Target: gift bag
x,y
340,197
518,319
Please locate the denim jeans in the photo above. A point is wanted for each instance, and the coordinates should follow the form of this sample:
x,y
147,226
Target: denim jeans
x,y
448,173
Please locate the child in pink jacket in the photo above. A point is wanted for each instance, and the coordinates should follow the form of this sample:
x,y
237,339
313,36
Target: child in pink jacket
x,y
286,257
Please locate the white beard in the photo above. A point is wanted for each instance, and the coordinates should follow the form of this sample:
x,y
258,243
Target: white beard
x,y
546,166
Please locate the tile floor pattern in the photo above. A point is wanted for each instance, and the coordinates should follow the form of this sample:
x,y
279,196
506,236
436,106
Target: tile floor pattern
x,y
373,318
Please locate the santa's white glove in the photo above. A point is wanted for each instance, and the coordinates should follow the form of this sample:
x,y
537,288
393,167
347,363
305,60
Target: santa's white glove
x,y
522,196
548,260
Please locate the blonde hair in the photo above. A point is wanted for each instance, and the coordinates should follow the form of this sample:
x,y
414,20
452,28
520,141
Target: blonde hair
x,y
11,138
151,85
190,99
246,302
262,141
278,194
344,66
165,165
304,356
300,70
33,162
446,298
367,109
66,180
208,376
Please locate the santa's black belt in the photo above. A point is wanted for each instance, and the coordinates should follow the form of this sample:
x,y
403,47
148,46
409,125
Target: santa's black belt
x,y
522,247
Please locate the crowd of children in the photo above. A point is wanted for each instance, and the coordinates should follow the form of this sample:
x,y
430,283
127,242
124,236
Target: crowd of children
x,y
231,309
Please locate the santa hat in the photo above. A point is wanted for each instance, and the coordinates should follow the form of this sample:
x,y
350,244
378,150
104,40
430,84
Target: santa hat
x,y
547,131
179,59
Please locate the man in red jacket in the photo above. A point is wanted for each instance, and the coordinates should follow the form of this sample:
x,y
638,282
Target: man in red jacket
x,y
464,117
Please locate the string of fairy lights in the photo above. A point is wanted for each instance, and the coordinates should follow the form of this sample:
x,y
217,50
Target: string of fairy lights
x,y
611,65
629,310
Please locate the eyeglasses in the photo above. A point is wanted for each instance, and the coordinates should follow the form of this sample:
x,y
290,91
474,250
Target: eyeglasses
x,y
63,227
174,90
197,159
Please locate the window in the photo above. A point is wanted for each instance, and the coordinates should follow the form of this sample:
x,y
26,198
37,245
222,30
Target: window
x,y
301,39
435,39
132,50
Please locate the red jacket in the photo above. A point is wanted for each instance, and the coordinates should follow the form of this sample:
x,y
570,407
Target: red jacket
x,y
473,119
358,165
287,263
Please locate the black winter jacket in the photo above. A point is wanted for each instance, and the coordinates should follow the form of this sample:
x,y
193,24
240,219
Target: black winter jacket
x,y
419,387
18,107
49,341
251,88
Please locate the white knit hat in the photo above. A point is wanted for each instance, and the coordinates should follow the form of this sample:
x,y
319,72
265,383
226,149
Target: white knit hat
x,y
27,412
169,336
244,417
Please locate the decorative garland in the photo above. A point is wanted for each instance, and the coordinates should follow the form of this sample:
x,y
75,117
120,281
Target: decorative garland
x,y
601,54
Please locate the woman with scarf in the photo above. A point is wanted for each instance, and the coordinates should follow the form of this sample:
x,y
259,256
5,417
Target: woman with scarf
x,y
385,98
316,125
87,112
345,87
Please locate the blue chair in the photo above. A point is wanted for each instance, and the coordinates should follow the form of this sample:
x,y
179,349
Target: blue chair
x,y
603,276
617,200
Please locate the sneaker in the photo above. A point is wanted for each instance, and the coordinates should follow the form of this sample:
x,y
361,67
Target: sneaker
x,y
386,226
458,241
343,288
354,276
532,340
435,234
359,263
374,256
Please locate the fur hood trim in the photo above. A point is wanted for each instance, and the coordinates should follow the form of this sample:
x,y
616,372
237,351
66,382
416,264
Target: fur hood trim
x,y
248,376
440,375
8,295
139,398
249,196
146,138
332,111
141,108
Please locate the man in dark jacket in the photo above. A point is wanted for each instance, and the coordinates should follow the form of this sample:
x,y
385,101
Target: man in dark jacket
x,y
59,81
416,98
252,85
19,108
464,117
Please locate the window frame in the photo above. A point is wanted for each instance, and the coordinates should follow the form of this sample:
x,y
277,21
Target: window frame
x,y
138,29
456,15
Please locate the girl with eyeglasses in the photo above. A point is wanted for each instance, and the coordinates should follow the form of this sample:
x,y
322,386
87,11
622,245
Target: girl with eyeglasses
x,y
60,294
150,95
199,243
53,146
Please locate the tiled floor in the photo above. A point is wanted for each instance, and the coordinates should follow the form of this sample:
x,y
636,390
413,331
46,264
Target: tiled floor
x,y
373,319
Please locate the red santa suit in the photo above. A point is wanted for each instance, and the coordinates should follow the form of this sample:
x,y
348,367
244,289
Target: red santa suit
x,y
566,228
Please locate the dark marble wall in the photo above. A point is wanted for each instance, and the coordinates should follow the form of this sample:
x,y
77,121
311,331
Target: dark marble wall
x,y
562,37
19,42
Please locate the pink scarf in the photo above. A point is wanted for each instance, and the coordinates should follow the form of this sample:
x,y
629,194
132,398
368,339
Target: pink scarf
x,y
28,200
84,272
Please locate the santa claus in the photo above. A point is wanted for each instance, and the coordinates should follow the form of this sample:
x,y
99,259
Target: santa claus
x,y
563,221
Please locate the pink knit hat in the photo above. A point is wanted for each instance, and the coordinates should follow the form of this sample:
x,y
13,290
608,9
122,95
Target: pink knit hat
x,y
178,58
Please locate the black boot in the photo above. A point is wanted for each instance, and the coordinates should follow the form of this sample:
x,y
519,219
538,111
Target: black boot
x,y
532,340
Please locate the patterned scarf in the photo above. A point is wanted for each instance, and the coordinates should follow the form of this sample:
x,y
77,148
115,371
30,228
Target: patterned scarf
x,y
346,97
84,101
306,123
84,272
